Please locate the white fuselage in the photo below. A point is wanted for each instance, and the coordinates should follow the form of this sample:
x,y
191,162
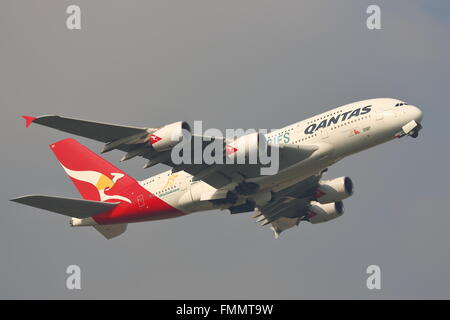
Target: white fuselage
x,y
339,132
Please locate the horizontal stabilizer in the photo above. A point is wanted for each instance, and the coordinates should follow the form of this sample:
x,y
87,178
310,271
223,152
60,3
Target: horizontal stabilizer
x,y
112,230
66,206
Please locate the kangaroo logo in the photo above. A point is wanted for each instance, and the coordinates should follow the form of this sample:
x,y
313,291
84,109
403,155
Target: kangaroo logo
x,y
170,181
99,181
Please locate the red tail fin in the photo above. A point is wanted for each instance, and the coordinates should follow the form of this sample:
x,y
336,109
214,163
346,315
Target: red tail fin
x,y
94,177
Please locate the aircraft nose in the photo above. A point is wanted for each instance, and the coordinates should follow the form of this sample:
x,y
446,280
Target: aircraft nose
x,y
415,114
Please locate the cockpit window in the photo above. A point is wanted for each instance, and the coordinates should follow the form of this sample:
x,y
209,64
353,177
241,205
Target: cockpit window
x,y
401,104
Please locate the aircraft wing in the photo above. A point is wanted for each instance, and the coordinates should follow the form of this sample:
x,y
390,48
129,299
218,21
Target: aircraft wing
x,y
136,141
288,207
219,175
103,132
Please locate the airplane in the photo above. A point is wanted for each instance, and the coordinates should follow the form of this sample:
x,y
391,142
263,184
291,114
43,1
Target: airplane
x,y
296,193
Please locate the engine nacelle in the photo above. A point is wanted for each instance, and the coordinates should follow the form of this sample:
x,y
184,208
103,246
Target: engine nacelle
x,y
334,190
245,149
318,213
165,138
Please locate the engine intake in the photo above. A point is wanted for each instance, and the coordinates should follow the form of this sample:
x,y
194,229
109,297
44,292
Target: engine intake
x,y
334,190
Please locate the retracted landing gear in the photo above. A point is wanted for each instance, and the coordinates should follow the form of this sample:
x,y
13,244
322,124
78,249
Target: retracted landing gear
x,y
411,129
415,132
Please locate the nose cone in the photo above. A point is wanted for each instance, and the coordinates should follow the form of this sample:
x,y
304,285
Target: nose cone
x,y
415,113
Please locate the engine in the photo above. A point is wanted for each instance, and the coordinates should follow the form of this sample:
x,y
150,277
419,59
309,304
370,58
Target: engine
x,y
165,138
318,213
245,149
334,190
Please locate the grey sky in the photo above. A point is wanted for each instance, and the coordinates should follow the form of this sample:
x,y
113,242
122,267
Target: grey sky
x,y
232,64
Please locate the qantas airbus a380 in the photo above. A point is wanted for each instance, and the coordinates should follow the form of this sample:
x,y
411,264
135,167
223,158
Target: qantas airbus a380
x,y
295,193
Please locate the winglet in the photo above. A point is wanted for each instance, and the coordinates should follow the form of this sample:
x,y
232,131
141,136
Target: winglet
x,y
28,120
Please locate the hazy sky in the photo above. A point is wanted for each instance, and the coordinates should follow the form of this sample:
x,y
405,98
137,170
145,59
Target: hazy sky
x,y
232,64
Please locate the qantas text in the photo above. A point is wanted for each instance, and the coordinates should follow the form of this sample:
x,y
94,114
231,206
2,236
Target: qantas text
x,y
340,117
